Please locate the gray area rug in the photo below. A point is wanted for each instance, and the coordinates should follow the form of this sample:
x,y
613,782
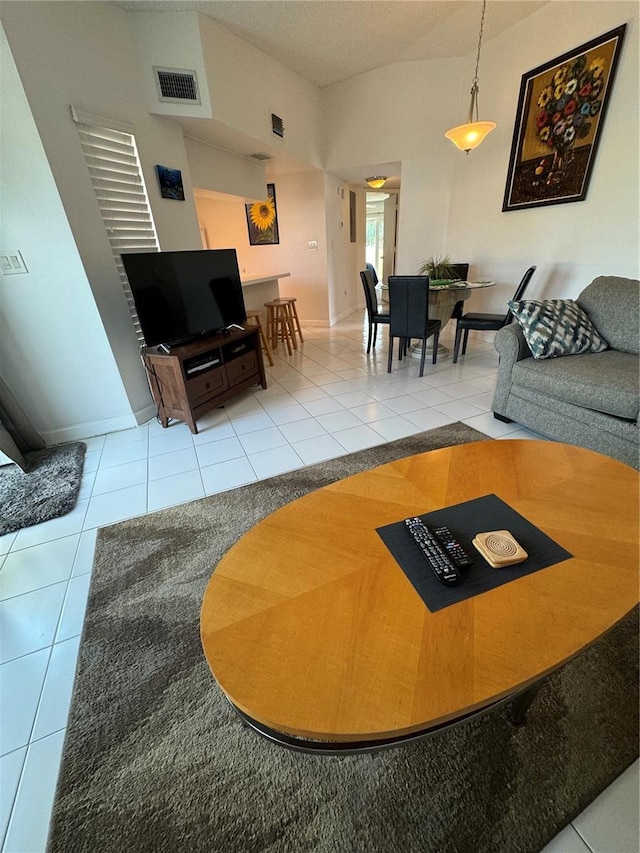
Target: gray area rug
x,y
156,760
47,489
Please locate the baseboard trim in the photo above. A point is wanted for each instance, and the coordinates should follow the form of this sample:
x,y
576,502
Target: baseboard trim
x,y
314,324
145,414
89,429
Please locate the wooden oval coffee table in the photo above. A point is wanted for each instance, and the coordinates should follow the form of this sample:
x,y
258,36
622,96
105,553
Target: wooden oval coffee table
x,y
319,640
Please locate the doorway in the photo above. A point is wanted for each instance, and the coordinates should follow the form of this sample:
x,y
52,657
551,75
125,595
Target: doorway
x,y
381,230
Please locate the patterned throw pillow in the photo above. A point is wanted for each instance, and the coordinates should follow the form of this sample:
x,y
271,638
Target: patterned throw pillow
x,y
556,327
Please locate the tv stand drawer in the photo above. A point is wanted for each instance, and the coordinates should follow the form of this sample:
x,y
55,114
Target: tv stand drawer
x,y
206,385
242,368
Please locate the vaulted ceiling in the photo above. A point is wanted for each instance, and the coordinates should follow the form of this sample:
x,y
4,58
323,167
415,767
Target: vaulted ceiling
x,y
326,41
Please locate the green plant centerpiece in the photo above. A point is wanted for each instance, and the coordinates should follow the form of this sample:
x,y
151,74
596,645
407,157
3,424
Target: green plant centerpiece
x,y
441,270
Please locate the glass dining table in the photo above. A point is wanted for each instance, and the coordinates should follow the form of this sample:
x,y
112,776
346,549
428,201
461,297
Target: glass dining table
x,y
442,300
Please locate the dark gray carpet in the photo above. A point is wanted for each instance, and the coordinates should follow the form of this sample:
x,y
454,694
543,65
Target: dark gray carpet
x,y
48,489
155,759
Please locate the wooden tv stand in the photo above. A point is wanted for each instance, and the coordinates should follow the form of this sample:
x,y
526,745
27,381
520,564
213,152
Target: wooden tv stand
x,y
192,379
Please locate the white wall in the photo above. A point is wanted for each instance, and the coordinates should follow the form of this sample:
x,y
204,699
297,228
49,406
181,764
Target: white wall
x,y
344,258
452,202
300,203
219,171
85,54
301,212
54,352
389,115
570,243
91,55
246,86
81,54
226,226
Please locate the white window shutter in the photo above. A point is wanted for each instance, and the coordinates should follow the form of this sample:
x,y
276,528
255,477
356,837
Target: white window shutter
x,y
114,167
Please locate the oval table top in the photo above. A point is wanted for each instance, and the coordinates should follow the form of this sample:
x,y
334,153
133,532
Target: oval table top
x,y
311,628
456,284
462,285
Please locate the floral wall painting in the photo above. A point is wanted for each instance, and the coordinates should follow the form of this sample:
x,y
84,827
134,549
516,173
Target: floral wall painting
x,y
559,120
170,181
262,220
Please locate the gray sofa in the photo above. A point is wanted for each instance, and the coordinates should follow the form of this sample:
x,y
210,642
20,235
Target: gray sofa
x,y
591,399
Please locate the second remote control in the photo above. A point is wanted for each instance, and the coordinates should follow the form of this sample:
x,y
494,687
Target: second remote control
x,y
454,549
433,552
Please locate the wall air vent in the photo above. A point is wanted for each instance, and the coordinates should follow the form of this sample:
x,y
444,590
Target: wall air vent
x,y
177,85
277,126
259,157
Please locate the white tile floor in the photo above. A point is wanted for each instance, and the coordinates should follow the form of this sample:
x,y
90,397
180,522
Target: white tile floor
x,y
327,400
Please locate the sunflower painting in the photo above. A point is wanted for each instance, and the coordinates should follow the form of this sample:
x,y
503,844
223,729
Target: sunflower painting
x,y
262,220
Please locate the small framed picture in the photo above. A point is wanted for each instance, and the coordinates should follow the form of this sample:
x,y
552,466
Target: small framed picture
x,y
170,181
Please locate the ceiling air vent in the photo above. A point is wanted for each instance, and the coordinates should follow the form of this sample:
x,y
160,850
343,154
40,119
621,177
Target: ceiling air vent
x,y
277,125
177,85
260,157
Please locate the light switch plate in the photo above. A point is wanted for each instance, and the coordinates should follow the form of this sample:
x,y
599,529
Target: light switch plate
x,y
12,262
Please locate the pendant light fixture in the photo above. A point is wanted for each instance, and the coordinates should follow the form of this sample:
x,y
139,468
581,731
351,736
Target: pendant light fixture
x,y
377,181
470,135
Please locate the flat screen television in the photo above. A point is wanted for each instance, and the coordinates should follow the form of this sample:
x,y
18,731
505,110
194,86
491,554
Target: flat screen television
x,y
181,296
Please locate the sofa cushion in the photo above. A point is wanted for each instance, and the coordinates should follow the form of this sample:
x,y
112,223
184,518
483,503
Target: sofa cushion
x,y
606,381
556,327
613,306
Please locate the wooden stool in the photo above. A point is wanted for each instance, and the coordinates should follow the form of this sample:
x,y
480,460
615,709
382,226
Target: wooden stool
x,y
254,317
278,325
285,302
294,322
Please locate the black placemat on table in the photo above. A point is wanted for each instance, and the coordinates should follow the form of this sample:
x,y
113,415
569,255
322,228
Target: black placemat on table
x,y
465,520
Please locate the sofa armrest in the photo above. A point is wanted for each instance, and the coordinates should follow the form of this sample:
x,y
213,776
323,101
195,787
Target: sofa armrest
x,y
511,347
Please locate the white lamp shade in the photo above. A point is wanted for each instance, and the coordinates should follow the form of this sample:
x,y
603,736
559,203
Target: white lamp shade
x,y
470,135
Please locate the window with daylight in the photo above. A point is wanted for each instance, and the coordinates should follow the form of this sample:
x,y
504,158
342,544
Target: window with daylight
x,y
110,151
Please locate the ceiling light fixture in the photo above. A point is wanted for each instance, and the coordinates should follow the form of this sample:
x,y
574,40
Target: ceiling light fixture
x,y
470,135
376,181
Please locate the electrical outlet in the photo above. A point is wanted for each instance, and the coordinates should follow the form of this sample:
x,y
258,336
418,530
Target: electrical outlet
x,y
11,262
313,245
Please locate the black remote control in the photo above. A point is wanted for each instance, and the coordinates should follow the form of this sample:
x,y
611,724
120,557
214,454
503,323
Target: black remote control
x,y
433,552
454,549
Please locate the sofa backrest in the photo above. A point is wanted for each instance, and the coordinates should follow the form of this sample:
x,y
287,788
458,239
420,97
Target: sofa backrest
x,y
613,306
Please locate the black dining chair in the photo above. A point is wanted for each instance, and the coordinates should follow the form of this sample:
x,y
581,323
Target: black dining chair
x,y
486,322
462,272
409,312
375,317
373,272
